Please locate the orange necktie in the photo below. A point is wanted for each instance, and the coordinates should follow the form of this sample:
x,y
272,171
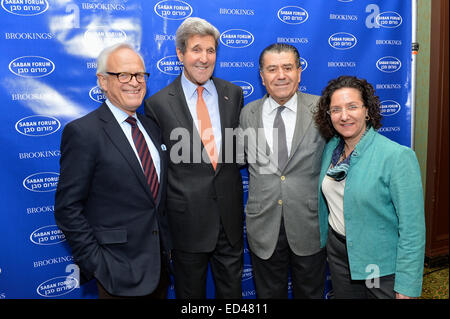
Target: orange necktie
x,y
205,128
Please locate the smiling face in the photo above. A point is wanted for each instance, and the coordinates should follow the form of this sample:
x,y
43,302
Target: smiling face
x,y
349,124
126,96
199,58
280,75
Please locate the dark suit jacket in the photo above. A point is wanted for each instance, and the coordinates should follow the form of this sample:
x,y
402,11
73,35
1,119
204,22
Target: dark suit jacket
x,y
199,198
104,207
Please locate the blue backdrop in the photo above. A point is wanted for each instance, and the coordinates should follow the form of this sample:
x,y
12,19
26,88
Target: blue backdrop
x,y
48,63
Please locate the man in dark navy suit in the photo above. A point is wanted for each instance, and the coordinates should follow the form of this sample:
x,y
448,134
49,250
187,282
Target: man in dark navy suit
x,y
112,187
204,194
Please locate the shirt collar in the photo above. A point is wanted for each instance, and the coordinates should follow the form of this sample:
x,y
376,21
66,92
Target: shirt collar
x,y
191,88
118,113
291,104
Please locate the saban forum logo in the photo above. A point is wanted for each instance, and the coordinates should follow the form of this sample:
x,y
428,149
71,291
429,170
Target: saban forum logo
x,y
47,235
42,182
389,64
389,19
104,34
173,9
57,286
292,15
304,64
37,125
170,65
31,66
246,87
342,41
97,95
236,38
25,7
247,272
389,107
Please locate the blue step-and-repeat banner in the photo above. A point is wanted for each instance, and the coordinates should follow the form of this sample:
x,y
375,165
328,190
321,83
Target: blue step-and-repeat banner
x,y
48,63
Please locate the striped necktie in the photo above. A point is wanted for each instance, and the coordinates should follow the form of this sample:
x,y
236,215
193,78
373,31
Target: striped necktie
x,y
144,154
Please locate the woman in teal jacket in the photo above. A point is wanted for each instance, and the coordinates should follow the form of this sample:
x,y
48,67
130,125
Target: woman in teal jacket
x,y
371,209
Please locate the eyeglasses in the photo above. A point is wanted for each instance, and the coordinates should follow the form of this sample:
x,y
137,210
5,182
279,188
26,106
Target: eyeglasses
x,y
125,77
348,108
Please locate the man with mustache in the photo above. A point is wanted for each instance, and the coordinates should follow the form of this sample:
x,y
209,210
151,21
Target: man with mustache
x,y
281,213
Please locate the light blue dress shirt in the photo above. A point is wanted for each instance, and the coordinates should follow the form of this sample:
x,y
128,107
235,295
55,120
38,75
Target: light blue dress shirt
x,y
212,103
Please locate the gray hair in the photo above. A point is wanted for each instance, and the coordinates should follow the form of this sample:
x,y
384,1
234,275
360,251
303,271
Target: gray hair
x,y
194,26
103,57
278,48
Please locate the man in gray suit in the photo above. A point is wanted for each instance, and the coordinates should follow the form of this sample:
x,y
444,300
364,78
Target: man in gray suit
x,y
283,150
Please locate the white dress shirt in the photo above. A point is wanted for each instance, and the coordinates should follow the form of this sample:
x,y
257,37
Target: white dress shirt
x,y
334,195
121,117
289,115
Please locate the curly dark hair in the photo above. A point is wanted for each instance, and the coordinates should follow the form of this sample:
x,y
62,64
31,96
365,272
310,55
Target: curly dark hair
x,y
371,101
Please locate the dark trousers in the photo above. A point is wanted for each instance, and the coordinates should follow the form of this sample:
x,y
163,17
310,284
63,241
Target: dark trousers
x,y
346,288
226,262
307,272
159,293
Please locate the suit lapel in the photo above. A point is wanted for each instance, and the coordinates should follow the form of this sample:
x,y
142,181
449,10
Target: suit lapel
x,y
302,123
265,156
225,120
260,125
177,102
119,140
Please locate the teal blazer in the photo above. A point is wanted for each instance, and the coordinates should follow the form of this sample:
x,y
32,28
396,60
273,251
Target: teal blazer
x,y
383,212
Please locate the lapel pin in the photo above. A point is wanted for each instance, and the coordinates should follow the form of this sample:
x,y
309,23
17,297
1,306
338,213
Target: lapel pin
x,y
163,147
225,97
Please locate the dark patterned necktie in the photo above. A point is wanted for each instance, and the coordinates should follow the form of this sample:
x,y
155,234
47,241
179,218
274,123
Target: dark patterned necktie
x,y
278,126
146,159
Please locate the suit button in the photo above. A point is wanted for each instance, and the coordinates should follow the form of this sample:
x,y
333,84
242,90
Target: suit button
x,y
155,232
280,202
283,178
